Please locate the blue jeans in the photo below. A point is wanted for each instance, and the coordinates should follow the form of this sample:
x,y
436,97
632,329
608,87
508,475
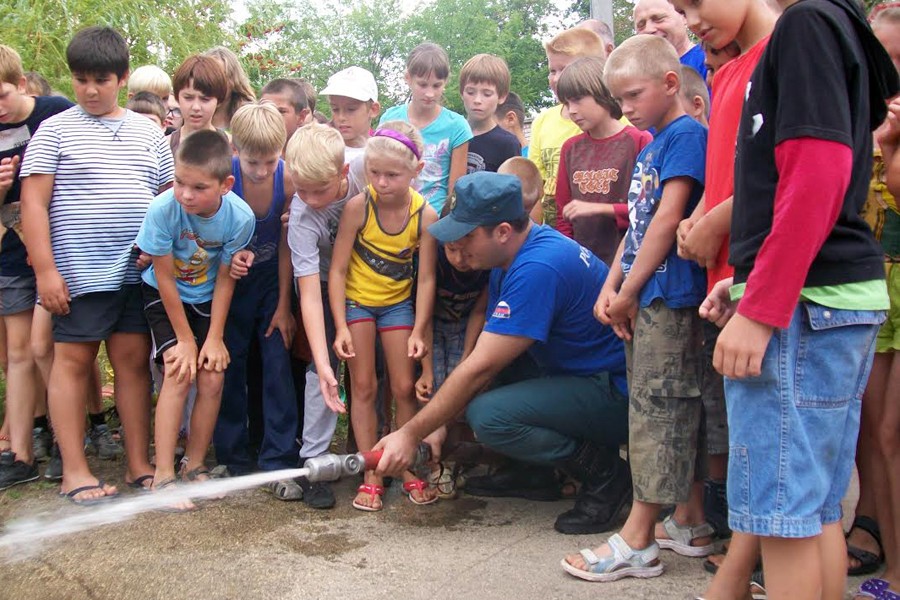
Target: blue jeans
x,y
543,420
793,428
447,349
254,302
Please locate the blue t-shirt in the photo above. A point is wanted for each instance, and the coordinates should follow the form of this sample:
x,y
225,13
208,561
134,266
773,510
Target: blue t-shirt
x,y
441,137
679,150
696,58
267,233
548,295
199,245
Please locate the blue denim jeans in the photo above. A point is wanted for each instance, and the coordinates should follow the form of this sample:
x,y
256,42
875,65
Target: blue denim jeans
x,y
544,419
254,302
447,349
793,428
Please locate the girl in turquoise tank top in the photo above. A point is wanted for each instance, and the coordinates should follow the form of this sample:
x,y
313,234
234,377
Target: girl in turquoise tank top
x,y
382,248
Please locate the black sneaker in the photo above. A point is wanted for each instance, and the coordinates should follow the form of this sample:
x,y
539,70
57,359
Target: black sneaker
x,y
532,482
102,442
13,472
42,440
54,470
316,495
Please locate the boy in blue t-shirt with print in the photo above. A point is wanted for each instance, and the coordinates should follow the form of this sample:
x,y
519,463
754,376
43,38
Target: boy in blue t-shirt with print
x,y
261,307
651,298
445,133
192,233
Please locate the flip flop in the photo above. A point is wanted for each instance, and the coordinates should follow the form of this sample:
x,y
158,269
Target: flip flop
x,y
70,495
417,484
372,490
138,484
161,487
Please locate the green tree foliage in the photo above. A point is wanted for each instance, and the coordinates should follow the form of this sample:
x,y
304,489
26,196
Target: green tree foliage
x,y
161,32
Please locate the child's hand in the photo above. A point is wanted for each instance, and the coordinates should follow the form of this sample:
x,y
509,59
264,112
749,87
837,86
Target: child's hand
x,y
889,133
54,293
741,347
284,322
718,307
416,346
425,386
702,244
576,209
214,356
343,344
241,263
681,235
607,295
181,360
622,313
9,169
285,217
143,260
328,384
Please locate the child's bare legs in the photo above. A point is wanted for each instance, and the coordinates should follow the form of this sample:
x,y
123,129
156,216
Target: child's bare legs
x,y
169,406
128,354
637,533
731,580
688,514
806,568
401,369
23,385
888,505
203,419
42,344
67,393
95,399
364,386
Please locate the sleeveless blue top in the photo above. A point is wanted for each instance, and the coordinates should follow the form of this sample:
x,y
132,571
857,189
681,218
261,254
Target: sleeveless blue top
x,y
267,234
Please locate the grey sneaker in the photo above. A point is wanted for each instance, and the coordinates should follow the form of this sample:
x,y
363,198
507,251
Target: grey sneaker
x,y
42,440
13,472
54,471
104,445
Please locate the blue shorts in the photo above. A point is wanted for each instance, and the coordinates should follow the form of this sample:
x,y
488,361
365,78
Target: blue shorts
x,y
447,351
793,429
386,318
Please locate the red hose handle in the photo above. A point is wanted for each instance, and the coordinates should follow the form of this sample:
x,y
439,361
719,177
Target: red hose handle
x,y
371,458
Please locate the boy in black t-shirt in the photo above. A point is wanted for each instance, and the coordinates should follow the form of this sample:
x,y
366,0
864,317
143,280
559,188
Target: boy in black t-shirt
x,y
484,84
810,284
20,117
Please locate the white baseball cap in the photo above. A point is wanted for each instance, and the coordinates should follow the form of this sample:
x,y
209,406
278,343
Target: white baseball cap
x,y
352,82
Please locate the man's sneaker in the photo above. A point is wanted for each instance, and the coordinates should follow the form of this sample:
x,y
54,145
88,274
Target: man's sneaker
x,y
13,472
316,495
54,470
103,444
42,440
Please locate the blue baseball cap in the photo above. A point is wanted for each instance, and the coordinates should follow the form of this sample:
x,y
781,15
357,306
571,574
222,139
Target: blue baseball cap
x,y
482,198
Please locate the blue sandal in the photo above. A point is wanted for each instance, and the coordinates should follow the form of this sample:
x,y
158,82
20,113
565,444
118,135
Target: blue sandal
x,y
873,588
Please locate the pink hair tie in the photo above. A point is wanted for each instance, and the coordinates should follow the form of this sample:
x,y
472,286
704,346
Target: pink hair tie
x,y
397,136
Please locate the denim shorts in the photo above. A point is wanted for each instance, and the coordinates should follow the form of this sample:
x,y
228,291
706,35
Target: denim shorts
x,y
386,318
793,428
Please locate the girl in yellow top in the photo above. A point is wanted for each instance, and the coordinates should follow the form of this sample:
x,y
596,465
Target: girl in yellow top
x,y
370,289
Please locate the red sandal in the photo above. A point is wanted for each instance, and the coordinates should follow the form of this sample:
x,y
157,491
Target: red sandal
x,y
371,489
417,484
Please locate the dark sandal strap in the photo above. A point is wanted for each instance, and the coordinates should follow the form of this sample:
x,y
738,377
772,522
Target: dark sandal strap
x,y
863,556
870,526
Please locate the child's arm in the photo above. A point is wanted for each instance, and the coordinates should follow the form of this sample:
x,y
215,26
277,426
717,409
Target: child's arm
x,y
475,324
425,383
36,193
888,140
425,280
214,355
9,170
564,195
282,319
610,290
351,220
241,263
312,309
704,240
180,359
687,224
457,165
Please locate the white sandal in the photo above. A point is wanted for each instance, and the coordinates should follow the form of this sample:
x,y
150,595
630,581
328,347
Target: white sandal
x,y
624,562
681,536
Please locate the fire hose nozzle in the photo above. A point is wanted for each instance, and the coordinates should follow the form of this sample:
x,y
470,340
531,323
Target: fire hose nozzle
x,y
331,467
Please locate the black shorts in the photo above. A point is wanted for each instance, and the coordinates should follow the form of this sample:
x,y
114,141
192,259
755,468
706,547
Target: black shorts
x,y
96,316
161,331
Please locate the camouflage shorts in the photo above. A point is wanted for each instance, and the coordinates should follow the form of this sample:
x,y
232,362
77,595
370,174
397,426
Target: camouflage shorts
x,y
713,387
665,409
549,209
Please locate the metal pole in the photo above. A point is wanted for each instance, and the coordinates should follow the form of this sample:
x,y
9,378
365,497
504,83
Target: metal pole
x,y
603,11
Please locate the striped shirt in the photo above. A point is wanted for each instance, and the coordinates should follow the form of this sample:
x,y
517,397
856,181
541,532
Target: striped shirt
x,y
105,175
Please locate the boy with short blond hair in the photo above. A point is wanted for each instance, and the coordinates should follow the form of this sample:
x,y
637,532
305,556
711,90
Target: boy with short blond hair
x,y
290,99
650,298
261,307
695,95
192,232
550,128
532,184
150,78
483,85
353,98
22,116
324,184
80,220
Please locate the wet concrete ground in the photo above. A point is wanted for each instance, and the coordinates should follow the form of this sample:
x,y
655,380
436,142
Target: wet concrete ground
x,y
250,546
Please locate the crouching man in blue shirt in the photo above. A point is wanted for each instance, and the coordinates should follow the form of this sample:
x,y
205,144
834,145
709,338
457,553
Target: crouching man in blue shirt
x,y
570,411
